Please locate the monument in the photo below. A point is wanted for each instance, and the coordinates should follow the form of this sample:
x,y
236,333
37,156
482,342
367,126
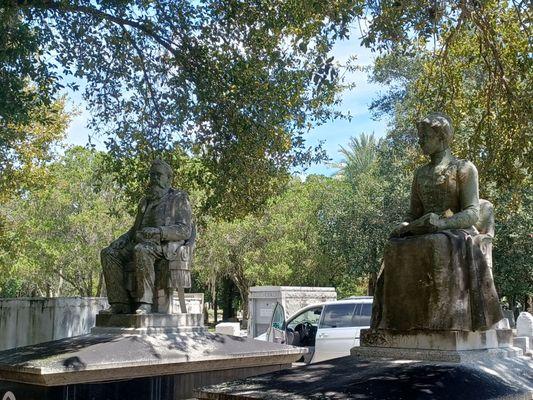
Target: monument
x,y
436,284
143,266
143,346
435,313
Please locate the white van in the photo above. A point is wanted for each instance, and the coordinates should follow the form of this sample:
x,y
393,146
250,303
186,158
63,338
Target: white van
x,y
329,330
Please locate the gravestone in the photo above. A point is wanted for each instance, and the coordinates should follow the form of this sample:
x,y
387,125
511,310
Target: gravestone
x,y
524,333
524,324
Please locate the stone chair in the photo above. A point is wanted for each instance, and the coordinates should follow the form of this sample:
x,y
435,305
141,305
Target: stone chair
x,y
485,227
170,276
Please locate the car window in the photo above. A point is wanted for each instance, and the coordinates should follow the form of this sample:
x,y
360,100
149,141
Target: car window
x,y
362,315
312,316
338,316
278,317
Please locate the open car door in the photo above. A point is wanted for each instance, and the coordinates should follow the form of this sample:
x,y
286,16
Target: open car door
x,y
276,330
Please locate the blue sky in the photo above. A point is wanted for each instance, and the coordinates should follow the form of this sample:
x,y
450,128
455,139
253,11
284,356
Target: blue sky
x,y
334,133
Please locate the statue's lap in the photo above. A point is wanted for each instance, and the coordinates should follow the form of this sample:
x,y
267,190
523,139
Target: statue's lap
x,y
425,284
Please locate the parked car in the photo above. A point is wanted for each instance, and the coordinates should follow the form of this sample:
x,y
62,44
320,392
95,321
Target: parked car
x,y
329,330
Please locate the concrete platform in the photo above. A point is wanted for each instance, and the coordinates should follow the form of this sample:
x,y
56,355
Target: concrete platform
x,y
385,379
115,359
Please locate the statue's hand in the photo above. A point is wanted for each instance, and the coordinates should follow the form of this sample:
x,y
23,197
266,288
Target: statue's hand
x,y
435,222
149,234
399,230
428,223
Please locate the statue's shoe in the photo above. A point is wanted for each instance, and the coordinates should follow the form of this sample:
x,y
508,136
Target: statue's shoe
x,y
116,308
144,309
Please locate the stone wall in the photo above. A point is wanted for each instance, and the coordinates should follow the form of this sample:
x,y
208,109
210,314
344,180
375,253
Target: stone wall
x,y
25,321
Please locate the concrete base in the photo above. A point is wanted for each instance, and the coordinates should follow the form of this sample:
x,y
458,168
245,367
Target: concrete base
x,y
376,378
449,356
178,386
437,340
374,372
107,323
524,343
228,328
149,351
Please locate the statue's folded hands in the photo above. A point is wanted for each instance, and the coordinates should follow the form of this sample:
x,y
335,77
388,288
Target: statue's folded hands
x,y
148,234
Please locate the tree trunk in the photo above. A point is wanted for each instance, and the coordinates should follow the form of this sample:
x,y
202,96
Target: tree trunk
x,y
372,283
228,293
100,284
61,281
527,304
215,309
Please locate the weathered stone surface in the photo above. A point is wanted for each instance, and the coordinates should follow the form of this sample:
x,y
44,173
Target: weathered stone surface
x,y
523,343
510,317
149,321
502,324
111,357
159,387
26,321
451,356
524,324
374,378
432,340
228,328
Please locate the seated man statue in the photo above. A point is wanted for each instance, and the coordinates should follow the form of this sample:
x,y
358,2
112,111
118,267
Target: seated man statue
x,y
436,272
162,226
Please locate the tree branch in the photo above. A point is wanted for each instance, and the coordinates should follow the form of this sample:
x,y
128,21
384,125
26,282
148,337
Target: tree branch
x,y
146,76
70,8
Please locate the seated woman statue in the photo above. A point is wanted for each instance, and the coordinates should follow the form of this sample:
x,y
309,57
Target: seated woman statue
x,y
435,275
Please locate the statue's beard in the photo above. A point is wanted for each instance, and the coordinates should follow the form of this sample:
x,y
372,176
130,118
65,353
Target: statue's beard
x,y
156,190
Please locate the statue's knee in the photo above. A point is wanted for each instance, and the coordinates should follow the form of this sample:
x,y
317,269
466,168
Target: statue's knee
x,y
141,248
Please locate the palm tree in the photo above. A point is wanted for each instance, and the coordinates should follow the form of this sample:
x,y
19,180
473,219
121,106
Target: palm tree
x,y
359,156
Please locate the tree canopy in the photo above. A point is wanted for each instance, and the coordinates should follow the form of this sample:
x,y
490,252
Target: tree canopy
x,y
471,60
234,84
52,236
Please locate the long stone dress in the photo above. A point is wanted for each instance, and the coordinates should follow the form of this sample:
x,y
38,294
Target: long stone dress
x,y
439,281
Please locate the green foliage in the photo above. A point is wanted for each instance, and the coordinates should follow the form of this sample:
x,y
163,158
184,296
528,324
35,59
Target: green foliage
x,y
26,148
22,61
321,232
513,250
51,237
478,70
372,198
280,246
234,85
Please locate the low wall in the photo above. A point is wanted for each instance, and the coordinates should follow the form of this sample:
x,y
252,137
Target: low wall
x,y
25,321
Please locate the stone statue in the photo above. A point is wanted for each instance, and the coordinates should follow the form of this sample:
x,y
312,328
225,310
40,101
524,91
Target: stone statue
x,y
436,273
142,265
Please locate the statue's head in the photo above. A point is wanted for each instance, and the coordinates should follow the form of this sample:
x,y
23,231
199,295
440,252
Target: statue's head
x,y
160,175
435,133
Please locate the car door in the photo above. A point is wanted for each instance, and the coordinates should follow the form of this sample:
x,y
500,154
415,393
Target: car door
x,y
336,332
276,330
361,319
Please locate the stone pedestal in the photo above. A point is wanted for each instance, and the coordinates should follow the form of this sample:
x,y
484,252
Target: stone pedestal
x,y
437,340
108,323
149,357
